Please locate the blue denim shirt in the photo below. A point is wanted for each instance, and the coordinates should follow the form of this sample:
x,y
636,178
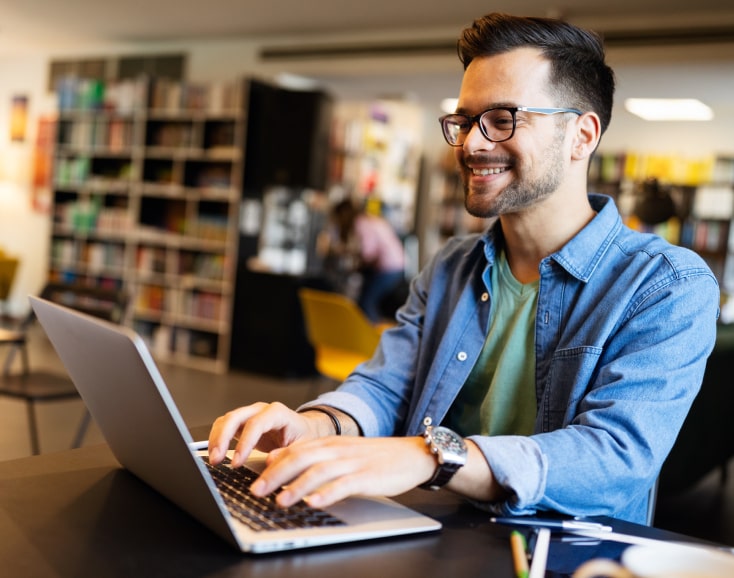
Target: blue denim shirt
x,y
625,322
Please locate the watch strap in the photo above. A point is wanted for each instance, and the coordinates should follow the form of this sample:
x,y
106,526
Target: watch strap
x,y
441,477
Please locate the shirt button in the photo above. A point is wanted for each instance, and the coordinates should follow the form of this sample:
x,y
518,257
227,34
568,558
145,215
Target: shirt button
x,y
485,296
461,356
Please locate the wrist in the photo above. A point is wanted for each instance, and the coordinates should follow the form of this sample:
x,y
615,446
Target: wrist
x,y
450,453
328,423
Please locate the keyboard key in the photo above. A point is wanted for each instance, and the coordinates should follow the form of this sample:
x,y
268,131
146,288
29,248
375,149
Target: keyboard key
x,y
262,514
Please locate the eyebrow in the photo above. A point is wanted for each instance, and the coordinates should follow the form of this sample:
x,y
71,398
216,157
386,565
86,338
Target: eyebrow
x,y
465,111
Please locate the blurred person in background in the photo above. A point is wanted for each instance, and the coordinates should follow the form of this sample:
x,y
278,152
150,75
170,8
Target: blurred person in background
x,y
367,244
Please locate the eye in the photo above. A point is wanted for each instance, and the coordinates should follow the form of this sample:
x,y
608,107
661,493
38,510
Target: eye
x,y
461,122
498,120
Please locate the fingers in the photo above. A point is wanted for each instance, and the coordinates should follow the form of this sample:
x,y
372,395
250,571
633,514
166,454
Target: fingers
x,y
327,470
225,429
260,425
303,468
321,471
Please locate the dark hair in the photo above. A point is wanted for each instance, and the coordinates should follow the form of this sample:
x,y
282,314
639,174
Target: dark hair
x,y
579,74
344,214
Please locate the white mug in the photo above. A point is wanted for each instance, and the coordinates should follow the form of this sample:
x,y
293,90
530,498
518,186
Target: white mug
x,y
666,560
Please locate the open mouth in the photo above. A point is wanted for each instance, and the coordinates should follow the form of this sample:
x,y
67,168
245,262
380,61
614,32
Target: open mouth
x,y
487,172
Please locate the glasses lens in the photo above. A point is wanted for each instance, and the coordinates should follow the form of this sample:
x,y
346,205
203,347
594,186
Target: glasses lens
x,y
498,124
455,128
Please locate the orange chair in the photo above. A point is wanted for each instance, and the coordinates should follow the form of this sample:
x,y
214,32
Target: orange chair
x,y
341,334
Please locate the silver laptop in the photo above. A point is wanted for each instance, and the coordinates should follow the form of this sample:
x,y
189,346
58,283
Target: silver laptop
x,y
130,403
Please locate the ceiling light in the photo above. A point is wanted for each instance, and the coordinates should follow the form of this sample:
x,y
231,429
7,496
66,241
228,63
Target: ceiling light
x,y
296,82
669,108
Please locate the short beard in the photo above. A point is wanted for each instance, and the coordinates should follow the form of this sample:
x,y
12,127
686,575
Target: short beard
x,y
521,193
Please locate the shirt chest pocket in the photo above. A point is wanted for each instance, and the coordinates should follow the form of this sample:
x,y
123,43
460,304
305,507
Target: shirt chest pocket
x,y
569,377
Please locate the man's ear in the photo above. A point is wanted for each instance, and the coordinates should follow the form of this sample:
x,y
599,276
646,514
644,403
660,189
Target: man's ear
x,y
587,135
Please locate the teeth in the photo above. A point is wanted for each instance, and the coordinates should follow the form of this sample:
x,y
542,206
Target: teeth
x,y
485,172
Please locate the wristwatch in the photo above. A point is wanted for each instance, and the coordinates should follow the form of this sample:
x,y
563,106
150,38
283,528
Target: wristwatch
x,y
450,451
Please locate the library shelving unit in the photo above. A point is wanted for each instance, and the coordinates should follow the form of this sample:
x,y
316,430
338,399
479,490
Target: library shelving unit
x,y
703,193
146,193
376,156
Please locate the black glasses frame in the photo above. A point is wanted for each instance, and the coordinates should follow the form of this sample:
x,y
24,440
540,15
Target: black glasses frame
x,y
457,139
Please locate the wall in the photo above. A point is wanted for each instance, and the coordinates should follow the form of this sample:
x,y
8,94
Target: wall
x,y
23,232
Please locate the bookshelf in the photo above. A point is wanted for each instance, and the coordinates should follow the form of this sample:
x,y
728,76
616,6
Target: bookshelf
x,y
376,156
146,194
703,193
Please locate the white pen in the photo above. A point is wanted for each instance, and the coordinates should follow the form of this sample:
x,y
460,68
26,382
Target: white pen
x,y
540,554
553,524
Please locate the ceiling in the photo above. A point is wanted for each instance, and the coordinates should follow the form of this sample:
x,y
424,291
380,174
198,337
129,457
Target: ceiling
x,y
53,22
669,33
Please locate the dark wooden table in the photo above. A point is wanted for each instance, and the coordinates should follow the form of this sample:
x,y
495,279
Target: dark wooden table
x,y
79,514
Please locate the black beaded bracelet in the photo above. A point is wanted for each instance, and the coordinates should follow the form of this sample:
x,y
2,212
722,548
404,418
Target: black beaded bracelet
x,y
332,416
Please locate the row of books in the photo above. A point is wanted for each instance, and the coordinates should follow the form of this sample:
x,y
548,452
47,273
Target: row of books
x,y
124,97
108,134
96,256
71,276
705,235
70,171
78,169
85,217
157,260
708,236
93,257
202,305
170,135
100,132
127,96
217,97
165,340
668,168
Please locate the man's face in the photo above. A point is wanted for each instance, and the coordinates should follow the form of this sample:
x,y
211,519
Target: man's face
x,y
506,177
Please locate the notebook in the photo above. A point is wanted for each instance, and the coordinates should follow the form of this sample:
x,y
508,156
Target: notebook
x,y
126,396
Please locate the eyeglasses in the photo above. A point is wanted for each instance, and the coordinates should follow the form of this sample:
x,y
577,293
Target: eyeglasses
x,y
497,124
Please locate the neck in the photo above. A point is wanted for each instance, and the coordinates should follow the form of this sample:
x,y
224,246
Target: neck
x,y
533,234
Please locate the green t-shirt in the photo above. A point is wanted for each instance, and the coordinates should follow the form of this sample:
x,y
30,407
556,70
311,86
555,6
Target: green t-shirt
x,y
498,397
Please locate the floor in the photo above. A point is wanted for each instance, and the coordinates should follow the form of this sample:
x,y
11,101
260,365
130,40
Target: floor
x,y
705,511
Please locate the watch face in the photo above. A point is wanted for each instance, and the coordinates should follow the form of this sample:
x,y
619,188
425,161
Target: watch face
x,y
450,451
448,441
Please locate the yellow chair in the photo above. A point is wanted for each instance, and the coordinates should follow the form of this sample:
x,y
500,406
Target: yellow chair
x,y
341,334
8,266
10,335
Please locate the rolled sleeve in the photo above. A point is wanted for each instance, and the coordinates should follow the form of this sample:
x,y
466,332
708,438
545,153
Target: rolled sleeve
x,y
518,465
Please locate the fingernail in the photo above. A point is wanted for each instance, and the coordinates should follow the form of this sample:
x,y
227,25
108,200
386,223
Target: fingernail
x,y
258,487
285,499
214,455
313,500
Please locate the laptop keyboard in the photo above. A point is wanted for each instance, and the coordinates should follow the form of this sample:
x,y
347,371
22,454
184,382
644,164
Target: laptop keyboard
x,y
263,514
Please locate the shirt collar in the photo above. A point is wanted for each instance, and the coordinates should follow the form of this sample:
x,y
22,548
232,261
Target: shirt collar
x,y
581,255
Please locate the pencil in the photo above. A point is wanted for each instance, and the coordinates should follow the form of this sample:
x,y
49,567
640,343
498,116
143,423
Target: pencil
x,y
519,554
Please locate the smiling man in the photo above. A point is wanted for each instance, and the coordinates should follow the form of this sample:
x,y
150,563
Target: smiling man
x,y
545,365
